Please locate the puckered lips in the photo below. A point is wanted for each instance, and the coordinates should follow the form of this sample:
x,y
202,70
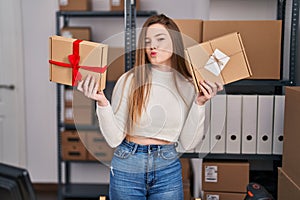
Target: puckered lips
x,y
153,54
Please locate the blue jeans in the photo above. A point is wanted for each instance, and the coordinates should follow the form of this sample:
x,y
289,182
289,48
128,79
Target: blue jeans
x,y
140,172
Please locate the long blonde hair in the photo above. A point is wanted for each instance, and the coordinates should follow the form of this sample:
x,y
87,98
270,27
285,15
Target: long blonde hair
x,y
141,81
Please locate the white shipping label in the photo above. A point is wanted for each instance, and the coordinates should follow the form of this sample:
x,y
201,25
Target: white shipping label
x,y
69,114
69,95
211,174
63,2
212,197
116,2
67,34
217,62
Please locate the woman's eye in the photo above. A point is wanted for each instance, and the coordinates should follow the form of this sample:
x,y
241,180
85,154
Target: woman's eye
x,y
147,42
160,39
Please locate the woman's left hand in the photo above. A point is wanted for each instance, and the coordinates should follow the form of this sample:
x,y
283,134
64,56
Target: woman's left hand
x,y
208,90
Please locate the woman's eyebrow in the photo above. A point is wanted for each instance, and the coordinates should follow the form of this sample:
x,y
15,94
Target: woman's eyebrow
x,y
160,34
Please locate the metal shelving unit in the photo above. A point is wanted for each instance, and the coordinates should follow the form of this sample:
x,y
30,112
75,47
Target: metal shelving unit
x,y
67,189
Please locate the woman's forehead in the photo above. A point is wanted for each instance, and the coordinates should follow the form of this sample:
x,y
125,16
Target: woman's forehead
x,y
156,30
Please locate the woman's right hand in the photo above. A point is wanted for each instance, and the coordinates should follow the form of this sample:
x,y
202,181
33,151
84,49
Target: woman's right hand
x,y
89,87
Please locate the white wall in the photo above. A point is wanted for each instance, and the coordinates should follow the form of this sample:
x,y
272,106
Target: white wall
x,y
243,9
39,24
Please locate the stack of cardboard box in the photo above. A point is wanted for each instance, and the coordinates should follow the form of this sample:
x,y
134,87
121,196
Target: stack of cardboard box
x,y
85,145
79,110
72,145
289,174
225,180
97,147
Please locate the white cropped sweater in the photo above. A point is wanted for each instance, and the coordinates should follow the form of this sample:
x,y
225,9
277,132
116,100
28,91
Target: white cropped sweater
x,y
167,116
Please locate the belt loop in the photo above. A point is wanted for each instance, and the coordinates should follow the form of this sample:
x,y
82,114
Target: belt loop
x,y
134,148
176,144
158,150
149,149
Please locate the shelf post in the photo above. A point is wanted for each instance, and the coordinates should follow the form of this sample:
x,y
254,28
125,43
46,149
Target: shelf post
x,y
130,33
294,40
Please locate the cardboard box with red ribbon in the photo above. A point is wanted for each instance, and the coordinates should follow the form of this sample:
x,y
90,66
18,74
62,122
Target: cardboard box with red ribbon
x,y
222,60
72,60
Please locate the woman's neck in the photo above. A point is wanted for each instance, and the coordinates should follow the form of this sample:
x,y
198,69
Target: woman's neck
x,y
164,68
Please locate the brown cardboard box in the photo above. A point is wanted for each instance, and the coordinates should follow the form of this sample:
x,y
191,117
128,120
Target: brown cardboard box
x,y
287,188
186,169
81,115
223,196
261,39
81,33
187,189
291,142
75,98
72,146
75,5
98,147
225,176
205,64
118,5
116,63
191,30
92,56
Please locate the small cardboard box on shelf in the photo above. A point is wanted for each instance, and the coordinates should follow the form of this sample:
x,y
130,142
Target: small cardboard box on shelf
x,y
81,33
75,98
73,59
224,196
116,63
75,5
191,30
225,176
79,115
118,5
222,60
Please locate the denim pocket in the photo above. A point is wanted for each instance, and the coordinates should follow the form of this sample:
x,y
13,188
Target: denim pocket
x,y
168,154
122,152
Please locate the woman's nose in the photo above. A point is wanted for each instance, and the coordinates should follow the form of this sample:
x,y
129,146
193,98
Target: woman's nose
x,y
153,45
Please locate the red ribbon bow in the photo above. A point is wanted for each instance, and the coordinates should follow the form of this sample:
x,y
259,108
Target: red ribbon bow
x,y
74,64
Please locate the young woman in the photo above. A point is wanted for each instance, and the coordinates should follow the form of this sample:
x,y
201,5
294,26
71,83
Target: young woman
x,y
154,111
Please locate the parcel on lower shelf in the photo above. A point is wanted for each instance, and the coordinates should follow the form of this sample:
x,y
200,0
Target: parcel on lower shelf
x,y
222,60
71,60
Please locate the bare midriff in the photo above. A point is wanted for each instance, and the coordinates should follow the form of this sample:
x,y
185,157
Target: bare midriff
x,y
146,141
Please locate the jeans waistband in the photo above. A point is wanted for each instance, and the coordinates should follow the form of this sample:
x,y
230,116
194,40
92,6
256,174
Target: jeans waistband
x,y
147,148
